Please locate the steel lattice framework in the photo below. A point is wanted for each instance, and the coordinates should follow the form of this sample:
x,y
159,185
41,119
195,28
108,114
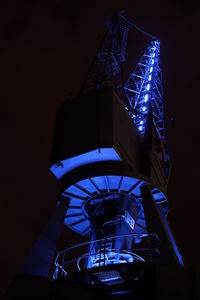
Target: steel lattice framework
x,y
144,90
108,61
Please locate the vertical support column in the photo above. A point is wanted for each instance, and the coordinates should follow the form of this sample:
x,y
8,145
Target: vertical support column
x,y
158,224
40,258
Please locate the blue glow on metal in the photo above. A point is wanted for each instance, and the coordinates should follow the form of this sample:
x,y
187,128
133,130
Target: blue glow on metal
x,y
108,258
98,155
86,260
147,77
113,257
121,292
110,279
144,108
170,236
78,193
158,196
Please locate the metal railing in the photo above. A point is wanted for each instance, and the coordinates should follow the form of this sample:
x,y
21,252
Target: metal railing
x,y
87,255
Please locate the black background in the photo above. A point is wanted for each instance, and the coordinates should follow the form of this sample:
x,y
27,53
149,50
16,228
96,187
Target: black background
x,y
46,48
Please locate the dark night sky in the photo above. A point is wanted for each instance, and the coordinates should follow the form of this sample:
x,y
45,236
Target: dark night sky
x,y
46,48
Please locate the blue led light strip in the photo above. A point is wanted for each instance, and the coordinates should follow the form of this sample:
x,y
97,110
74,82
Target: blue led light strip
x,y
144,89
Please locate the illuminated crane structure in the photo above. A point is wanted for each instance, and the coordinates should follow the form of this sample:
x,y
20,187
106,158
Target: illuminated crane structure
x,y
143,90
110,153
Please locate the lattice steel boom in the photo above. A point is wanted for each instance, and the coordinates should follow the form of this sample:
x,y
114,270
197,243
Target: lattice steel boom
x,y
144,90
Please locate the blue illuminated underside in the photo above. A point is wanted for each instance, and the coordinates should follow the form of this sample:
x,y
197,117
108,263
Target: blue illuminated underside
x,y
77,219
99,155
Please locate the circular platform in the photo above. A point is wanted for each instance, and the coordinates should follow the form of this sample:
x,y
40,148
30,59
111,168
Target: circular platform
x,y
82,191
